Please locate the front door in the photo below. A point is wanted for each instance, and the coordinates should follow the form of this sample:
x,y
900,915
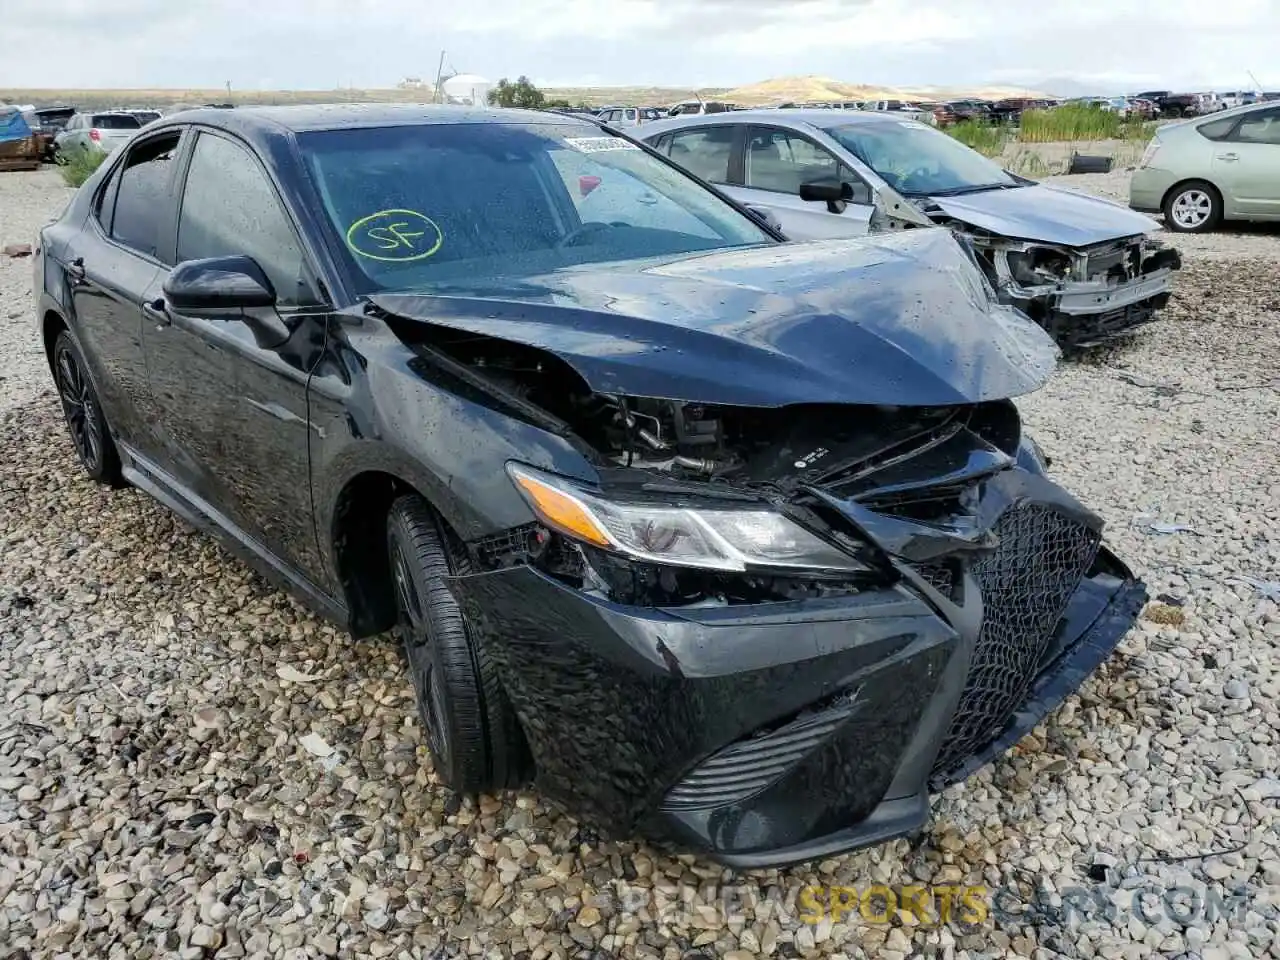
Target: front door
x,y
1247,166
235,411
776,162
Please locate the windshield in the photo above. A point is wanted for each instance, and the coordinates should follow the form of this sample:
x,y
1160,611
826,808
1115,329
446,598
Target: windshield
x,y
416,205
917,160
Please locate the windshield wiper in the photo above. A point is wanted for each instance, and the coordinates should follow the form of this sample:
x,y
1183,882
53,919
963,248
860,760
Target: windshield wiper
x,y
978,188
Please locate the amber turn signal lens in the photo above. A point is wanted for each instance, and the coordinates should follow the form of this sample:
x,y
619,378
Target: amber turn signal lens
x,y
559,511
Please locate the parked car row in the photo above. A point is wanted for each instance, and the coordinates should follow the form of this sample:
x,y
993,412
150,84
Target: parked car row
x,y
730,542
62,132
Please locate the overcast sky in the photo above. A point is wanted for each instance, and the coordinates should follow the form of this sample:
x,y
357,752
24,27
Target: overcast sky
x,y
1103,45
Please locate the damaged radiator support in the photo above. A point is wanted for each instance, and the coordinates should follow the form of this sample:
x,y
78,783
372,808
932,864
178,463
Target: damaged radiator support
x,y
1083,296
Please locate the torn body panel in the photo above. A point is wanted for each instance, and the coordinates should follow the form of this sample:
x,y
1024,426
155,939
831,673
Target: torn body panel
x,y
1083,268
724,712
905,319
1081,296
757,704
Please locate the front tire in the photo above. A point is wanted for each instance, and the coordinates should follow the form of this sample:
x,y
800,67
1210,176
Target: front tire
x,y
86,422
475,740
1193,207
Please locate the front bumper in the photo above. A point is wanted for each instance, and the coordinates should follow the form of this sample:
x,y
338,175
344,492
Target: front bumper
x,y
768,734
1088,314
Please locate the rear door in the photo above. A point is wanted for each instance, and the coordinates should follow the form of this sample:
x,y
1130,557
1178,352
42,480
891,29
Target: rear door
x,y
114,266
1247,166
235,416
776,162
710,152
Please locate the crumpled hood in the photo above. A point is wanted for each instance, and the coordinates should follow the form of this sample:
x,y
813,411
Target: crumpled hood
x,y
1047,214
904,319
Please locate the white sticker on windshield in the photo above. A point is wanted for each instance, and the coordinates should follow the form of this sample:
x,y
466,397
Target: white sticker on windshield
x,y
599,144
911,123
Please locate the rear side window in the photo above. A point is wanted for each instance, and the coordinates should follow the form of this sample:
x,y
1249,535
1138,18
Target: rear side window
x,y
1217,129
142,201
1261,126
704,151
112,121
230,208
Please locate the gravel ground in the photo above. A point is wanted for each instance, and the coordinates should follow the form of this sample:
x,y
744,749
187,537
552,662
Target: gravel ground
x,y
28,200
192,765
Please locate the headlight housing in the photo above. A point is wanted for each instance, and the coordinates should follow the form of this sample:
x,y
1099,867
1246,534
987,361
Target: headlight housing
x,y
733,539
1036,266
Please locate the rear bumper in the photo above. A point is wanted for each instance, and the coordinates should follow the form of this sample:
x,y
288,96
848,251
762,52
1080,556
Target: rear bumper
x,y
767,734
1147,189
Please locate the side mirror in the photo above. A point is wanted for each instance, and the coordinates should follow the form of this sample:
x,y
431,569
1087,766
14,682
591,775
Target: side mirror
x,y
823,191
836,193
218,284
235,288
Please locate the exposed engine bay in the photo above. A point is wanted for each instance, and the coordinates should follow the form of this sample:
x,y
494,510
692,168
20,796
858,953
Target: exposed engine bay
x,y
1081,295
919,463
778,449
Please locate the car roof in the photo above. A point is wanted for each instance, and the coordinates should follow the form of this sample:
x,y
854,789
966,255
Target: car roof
x,y
1192,122
304,118
794,117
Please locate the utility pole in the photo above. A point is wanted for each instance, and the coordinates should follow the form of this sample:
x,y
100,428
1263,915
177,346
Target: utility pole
x,y
435,97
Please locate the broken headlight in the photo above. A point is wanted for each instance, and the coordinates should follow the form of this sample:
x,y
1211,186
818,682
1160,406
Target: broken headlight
x,y
1037,266
708,538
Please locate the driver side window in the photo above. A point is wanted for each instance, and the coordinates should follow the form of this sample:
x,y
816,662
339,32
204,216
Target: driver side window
x,y
780,161
229,207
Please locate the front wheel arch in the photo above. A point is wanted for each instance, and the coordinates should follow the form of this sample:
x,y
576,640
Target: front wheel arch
x,y
51,324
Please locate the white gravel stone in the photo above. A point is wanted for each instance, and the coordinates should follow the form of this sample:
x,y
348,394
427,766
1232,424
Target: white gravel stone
x,y
148,734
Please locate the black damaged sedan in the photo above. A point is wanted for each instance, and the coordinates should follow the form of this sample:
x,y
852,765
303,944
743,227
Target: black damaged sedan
x,y
734,543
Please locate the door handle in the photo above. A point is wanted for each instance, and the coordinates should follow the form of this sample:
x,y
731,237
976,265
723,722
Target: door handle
x,y
1230,157
157,312
75,271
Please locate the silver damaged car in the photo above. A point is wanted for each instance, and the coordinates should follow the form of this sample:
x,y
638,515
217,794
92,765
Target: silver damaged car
x,y
1086,269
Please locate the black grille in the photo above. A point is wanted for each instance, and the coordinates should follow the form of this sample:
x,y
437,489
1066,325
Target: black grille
x,y
1026,583
941,577
750,766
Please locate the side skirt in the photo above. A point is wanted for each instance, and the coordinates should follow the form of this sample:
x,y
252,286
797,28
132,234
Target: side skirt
x,y
153,481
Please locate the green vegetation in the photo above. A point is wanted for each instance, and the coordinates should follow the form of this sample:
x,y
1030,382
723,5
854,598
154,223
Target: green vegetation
x,y
1073,123
988,139
81,166
522,93
1080,122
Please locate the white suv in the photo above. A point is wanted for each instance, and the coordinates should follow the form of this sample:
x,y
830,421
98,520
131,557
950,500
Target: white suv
x,y
628,116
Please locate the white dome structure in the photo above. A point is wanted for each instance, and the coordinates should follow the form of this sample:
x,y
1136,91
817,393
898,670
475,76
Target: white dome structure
x,y
468,88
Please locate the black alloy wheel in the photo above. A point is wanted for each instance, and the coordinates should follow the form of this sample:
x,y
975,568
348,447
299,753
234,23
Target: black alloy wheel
x,y
83,413
475,740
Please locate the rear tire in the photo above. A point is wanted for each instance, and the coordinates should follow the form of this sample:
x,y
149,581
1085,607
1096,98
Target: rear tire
x,y
1193,207
475,740
86,422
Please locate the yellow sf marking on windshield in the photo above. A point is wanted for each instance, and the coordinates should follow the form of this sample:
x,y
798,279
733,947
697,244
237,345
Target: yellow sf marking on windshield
x,y
393,236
